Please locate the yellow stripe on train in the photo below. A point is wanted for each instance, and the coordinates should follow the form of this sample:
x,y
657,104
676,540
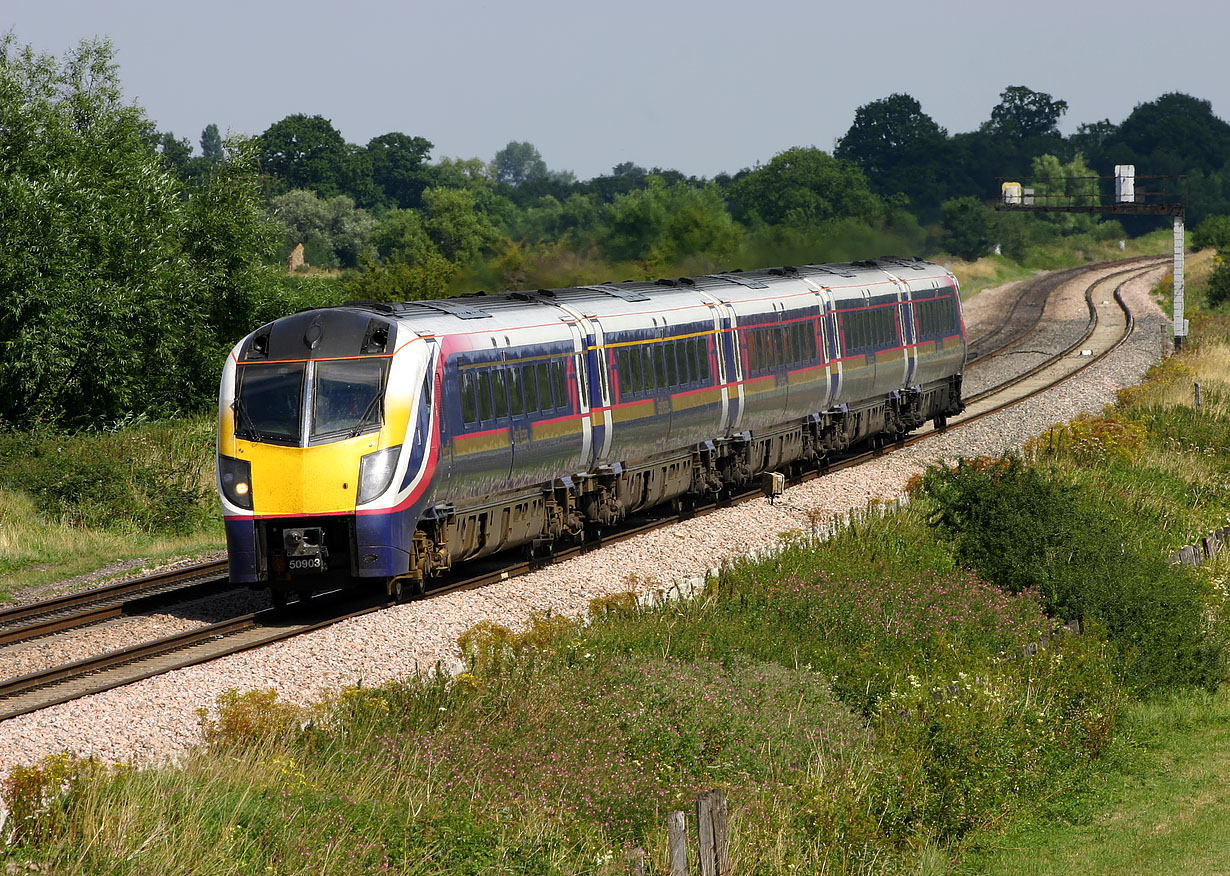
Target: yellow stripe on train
x,y
482,442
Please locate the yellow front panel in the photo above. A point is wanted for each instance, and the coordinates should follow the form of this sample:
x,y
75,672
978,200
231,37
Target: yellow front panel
x,y
305,480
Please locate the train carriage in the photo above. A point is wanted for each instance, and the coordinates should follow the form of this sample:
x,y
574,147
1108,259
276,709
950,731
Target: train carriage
x,y
390,442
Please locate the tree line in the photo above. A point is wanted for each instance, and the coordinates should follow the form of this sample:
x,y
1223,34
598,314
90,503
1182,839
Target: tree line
x,y
129,261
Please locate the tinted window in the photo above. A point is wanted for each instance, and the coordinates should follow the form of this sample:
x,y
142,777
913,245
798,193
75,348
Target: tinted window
x,y
501,395
514,391
484,395
544,387
267,404
469,399
347,397
530,385
557,379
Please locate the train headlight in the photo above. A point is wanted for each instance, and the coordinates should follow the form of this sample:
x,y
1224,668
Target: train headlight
x,y
235,477
376,473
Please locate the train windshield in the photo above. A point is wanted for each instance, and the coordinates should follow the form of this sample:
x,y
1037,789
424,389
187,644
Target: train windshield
x,y
267,405
342,398
347,398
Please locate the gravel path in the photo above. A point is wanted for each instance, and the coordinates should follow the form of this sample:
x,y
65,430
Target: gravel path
x,y
157,719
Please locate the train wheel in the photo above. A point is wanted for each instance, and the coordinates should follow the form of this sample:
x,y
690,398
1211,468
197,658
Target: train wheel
x,y
396,590
941,423
305,596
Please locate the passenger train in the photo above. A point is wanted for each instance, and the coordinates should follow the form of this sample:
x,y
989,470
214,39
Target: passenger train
x,y
392,442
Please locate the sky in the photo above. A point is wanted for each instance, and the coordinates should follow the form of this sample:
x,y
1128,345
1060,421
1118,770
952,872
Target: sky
x,y
700,87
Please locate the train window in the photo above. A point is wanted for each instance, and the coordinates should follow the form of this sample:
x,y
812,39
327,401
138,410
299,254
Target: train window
x,y
687,364
647,365
530,386
788,345
499,391
672,367
469,398
484,395
515,405
545,401
635,380
267,407
703,346
621,365
557,380
659,366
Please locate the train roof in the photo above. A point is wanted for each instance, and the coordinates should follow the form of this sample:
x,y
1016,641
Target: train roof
x,y
599,299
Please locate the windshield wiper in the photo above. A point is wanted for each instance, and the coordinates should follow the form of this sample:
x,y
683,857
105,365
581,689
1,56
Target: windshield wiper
x,y
365,419
246,421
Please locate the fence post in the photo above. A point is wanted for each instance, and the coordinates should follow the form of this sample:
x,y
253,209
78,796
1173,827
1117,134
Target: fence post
x,y
721,839
636,862
704,836
677,843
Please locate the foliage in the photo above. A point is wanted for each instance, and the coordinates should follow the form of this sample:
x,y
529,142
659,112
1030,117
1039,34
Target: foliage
x,y
117,286
1217,287
149,477
334,233
254,717
900,148
518,163
1090,440
1023,113
967,227
1029,530
803,187
38,798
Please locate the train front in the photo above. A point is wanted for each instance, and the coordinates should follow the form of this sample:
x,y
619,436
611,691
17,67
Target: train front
x,y
324,449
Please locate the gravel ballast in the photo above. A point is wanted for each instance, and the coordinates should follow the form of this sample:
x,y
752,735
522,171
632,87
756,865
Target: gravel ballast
x,y
157,719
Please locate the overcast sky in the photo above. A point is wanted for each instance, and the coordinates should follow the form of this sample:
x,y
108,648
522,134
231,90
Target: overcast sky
x,y
702,87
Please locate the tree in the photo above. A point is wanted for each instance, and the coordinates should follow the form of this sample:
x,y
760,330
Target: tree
x,y
517,163
455,224
804,186
211,144
399,170
966,228
305,152
115,277
334,232
663,224
899,147
1175,134
1023,113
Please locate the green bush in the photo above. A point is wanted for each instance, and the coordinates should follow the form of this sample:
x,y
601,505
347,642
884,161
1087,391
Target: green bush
x,y
1024,529
151,477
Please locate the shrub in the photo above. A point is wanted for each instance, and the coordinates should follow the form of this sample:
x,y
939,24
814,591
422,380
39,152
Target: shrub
x,y
1025,529
153,477
254,716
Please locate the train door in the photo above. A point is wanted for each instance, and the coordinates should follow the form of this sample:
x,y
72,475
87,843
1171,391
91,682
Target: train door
x,y
834,350
909,333
586,381
729,356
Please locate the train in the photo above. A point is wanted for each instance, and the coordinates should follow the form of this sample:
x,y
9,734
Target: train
x,y
385,444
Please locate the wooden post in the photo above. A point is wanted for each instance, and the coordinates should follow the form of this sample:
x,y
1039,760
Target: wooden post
x,y
677,843
704,836
721,839
636,862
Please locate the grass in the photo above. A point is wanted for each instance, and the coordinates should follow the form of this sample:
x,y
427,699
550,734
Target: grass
x,y
867,704
74,503
1160,807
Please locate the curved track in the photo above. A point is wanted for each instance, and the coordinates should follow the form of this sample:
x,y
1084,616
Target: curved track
x,y
1108,326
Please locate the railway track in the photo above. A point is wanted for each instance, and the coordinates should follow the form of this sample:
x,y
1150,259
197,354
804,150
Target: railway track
x,y
1109,325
